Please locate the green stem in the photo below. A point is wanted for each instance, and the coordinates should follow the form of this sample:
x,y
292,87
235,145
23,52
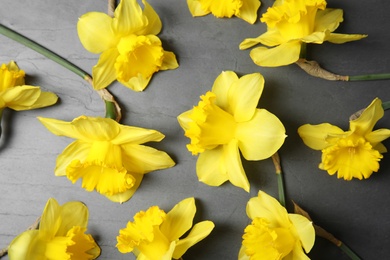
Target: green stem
x,y
278,170
369,77
386,105
352,255
42,50
110,110
303,52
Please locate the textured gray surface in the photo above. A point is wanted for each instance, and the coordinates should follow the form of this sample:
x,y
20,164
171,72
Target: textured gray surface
x,y
357,212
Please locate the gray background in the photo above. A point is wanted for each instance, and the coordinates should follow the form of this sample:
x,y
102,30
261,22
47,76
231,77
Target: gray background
x,y
356,212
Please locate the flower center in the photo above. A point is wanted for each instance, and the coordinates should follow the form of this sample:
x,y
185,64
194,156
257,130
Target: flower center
x,y
102,170
75,245
263,242
138,55
350,157
222,8
210,126
293,19
144,234
10,76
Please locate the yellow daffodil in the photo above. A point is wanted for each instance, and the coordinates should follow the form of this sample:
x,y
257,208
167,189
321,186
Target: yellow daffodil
x,y
130,50
227,120
18,96
354,153
244,9
156,235
107,156
61,235
275,234
291,23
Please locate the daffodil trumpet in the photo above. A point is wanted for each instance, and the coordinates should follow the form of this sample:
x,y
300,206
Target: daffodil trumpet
x,y
319,231
110,104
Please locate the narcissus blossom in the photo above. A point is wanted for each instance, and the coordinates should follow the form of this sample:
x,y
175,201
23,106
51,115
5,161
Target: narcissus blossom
x,y
18,96
274,233
61,235
244,9
107,156
156,235
129,49
291,23
227,120
354,153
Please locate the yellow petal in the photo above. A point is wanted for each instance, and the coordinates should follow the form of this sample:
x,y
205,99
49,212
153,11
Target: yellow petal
x,y
234,169
244,95
316,37
143,159
260,137
197,233
61,128
242,255
343,38
138,83
128,18
78,150
284,54
270,38
103,72
221,88
169,61
315,136
210,167
136,135
248,10
196,9
367,120
26,246
179,219
45,99
95,32
328,19
73,213
265,206
125,196
27,97
377,136
297,253
184,119
154,23
50,219
305,230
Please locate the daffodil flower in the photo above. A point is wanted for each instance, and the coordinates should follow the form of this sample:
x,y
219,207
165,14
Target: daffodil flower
x,y
291,23
244,9
61,235
107,156
354,153
227,120
130,50
274,233
16,95
156,235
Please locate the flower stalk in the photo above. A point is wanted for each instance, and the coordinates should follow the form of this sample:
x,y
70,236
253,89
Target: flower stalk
x,y
61,61
278,171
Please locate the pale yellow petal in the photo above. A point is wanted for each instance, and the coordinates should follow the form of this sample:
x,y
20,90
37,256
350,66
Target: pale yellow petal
x,y
270,38
367,120
45,99
60,128
73,213
179,219
103,72
184,119
316,37
315,136
77,150
248,10
221,88
260,137
96,128
138,83
196,9
125,196
169,61
143,159
25,246
128,18
265,206
298,254
154,23
328,19
304,229
95,32
50,219
197,233
242,255
284,54
343,38
21,97
136,135
244,95
169,253
234,169
380,148
378,136
210,167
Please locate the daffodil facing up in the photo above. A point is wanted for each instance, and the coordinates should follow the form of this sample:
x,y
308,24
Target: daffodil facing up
x,y
156,235
61,235
107,156
127,43
354,153
227,121
15,95
274,233
244,9
291,23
